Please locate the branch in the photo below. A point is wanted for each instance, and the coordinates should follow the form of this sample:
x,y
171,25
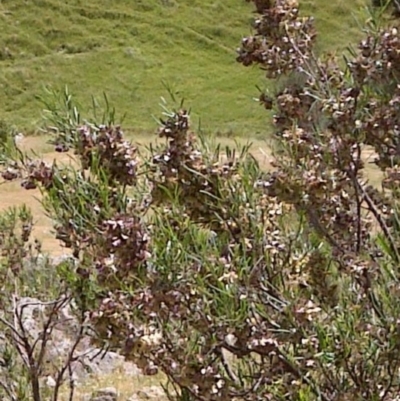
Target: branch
x,y
381,222
8,391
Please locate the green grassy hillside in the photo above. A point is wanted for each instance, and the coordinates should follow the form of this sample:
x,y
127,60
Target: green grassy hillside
x,y
127,48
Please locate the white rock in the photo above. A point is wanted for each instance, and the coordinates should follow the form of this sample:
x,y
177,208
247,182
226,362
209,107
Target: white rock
x,y
105,394
18,138
50,382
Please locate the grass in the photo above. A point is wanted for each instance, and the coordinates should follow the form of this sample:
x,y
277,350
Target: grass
x,y
127,386
130,48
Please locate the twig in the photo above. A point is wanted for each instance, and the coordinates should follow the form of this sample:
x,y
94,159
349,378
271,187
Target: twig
x,y
227,367
381,222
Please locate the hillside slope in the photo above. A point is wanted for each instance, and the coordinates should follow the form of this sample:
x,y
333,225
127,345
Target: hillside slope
x,y
127,48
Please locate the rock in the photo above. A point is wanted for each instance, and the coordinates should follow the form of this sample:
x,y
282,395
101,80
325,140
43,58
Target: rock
x,y
105,394
134,398
143,395
89,360
18,138
105,363
50,382
148,393
66,257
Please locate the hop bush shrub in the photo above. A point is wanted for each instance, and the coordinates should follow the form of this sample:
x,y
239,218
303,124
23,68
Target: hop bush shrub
x,y
239,283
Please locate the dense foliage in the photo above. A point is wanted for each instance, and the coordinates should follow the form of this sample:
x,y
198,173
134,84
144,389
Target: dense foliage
x,y
239,283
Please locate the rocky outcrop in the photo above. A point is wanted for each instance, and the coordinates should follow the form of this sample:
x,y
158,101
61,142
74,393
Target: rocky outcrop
x,y
88,360
111,394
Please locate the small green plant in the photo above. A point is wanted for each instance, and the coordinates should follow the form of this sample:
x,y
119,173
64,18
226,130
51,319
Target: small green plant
x,y
388,5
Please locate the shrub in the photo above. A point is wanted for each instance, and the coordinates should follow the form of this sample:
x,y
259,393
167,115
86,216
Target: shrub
x,y
239,283
29,325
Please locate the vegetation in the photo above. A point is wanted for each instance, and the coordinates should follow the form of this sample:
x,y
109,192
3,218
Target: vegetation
x,y
235,282
132,49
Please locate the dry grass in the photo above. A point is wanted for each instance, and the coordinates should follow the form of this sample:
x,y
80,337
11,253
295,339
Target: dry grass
x,y
126,386
373,173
